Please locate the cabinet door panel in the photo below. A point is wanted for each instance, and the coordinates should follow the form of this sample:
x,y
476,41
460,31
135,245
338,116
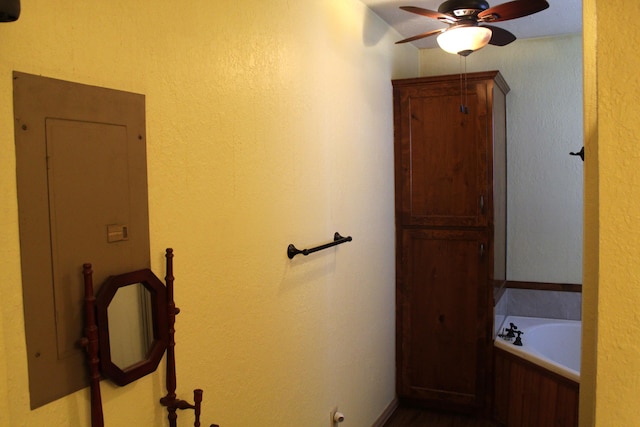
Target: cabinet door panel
x,y
444,155
444,322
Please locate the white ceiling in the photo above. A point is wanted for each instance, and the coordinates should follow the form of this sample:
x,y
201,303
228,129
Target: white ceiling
x,y
562,17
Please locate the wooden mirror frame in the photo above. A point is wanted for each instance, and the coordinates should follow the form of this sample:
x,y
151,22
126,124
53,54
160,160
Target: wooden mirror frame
x,y
123,376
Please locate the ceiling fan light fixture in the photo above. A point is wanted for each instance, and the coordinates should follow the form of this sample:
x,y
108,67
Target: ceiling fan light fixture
x,y
463,40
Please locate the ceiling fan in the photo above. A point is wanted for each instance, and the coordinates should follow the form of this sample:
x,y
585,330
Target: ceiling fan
x,y
468,30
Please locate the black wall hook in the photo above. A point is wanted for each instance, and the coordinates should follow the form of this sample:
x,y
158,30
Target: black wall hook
x,y
337,239
579,153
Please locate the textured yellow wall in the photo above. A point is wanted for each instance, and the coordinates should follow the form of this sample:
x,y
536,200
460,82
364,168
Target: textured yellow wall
x,y
591,223
268,122
612,216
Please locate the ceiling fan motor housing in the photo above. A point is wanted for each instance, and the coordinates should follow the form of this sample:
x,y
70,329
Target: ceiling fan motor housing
x,y
463,15
461,8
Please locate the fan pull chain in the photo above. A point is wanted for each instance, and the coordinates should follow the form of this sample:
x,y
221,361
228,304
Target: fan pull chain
x,y
461,99
466,88
464,109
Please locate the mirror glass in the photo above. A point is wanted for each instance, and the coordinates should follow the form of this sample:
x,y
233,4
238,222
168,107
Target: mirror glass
x,y
130,325
131,313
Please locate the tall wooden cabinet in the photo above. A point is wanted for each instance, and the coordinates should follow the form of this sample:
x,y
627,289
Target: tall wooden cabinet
x,y
450,183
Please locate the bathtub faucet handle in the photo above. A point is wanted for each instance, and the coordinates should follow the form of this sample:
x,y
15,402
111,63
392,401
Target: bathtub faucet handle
x,y
511,331
518,340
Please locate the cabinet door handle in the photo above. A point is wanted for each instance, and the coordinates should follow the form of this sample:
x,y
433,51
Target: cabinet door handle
x,y
482,205
481,251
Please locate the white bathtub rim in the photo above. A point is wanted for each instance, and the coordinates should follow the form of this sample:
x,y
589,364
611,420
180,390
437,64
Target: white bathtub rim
x,y
529,353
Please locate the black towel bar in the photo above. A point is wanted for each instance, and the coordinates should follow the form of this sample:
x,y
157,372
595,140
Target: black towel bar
x,y
337,239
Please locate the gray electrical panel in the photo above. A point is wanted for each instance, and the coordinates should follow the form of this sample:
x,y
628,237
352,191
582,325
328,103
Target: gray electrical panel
x,y
82,198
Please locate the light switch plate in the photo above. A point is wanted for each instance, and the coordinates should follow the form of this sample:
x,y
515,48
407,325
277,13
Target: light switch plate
x,y
117,232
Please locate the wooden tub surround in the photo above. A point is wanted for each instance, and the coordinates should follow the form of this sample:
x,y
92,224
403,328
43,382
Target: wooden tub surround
x,y
527,395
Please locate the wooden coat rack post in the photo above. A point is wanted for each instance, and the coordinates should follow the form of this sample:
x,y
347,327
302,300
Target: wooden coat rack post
x,y
170,400
91,344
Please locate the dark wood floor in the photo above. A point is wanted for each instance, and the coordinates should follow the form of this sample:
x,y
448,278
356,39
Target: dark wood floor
x,y
411,417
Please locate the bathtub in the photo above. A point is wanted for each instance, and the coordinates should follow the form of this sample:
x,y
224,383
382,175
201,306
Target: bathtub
x,y
550,343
